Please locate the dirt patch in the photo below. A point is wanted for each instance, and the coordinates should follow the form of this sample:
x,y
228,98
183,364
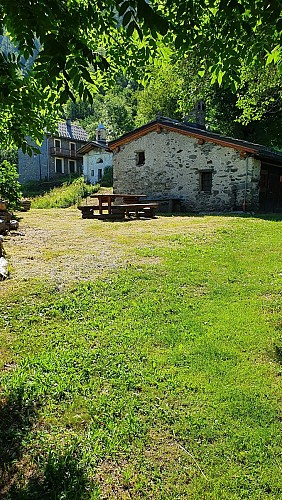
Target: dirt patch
x,y
57,245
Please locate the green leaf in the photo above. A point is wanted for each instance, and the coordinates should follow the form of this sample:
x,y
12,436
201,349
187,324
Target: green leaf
x,y
127,18
123,7
130,28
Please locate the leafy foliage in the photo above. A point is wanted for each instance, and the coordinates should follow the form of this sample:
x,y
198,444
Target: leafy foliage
x,y
252,112
10,189
66,195
64,49
107,180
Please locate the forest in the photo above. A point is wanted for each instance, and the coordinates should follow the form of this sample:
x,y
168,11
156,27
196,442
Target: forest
x,y
123,62
252,112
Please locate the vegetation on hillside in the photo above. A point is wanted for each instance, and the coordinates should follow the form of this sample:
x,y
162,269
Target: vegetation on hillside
x,y
66,195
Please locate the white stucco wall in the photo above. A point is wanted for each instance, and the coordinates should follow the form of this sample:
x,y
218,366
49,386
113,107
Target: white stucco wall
x,y
91,166
173,163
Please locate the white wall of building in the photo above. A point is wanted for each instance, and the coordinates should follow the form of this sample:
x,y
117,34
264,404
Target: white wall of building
x,y
94,164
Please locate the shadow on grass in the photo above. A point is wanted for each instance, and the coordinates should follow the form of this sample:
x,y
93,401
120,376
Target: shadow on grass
x,y
16,420
59,477
62,478
272,217
278,353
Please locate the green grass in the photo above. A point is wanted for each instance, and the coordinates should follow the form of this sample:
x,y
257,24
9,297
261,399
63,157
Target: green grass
x,y
160,381
65,195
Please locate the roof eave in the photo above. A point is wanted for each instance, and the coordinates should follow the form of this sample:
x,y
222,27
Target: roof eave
x,y
197,134
89,146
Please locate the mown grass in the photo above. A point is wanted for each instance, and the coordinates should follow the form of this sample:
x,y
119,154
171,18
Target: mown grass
x,y
64,196
160,381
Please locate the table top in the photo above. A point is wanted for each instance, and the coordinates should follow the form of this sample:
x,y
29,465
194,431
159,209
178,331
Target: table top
x,y
117,195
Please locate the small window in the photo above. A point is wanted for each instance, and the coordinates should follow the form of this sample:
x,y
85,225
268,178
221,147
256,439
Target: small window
x,y
72,166
100,174
57,143
140,157
100,160
72,146
59,166
92,173
206,182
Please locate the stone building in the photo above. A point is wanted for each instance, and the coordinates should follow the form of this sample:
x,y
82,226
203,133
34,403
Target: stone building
x,y
96,156
167,159
58,155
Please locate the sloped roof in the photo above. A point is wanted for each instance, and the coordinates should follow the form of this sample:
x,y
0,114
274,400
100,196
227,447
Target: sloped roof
x,y
93,145
192,130
69,131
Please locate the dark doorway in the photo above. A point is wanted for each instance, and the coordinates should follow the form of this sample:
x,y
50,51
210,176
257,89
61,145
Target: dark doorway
x,y
270,193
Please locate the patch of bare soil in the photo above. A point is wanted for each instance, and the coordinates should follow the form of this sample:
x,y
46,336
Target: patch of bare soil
x,y
57,245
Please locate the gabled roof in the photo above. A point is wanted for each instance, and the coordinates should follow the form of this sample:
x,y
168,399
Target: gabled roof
x,y
192,130
93,145
69,131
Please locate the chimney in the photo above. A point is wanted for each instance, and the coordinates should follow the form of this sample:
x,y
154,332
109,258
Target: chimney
x,y
197,117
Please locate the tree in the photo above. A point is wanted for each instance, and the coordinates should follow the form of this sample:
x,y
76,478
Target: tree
x,y
59,49
66,48
10,189
252,112
114,107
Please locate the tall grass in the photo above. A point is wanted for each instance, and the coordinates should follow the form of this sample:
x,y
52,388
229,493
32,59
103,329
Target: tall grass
x,y
66,195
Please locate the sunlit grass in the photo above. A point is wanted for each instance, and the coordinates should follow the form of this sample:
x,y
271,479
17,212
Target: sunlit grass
x,y
159,381
65,196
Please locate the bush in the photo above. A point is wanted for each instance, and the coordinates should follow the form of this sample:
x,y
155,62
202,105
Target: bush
x,y
10,189
107,180
65,196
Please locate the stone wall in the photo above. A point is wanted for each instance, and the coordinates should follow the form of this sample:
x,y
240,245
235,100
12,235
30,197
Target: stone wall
x,y
173,167
34,167
41,167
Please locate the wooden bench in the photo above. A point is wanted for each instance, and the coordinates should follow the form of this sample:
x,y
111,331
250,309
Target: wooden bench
x,y
87,211
144,209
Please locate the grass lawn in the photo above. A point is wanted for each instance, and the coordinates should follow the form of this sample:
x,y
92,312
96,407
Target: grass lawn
x,y
158,378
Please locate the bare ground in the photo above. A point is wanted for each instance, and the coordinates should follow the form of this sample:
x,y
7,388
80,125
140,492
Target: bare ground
x,y
58,246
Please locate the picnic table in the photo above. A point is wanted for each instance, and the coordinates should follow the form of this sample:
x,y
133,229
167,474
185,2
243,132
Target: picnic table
x,y
131,205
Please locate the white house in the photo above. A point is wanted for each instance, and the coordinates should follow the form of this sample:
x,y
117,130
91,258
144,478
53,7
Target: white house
x,y
96,156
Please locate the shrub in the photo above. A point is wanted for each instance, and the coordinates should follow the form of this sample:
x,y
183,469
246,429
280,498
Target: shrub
x,y
107,180
65,196
10,189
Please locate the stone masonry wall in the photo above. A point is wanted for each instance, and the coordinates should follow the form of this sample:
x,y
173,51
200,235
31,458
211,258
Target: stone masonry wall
x,y
41,167
33,168
173,166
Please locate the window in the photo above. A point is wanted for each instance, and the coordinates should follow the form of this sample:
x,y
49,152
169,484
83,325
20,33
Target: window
x,y
59,166
100,174
72,166
57,143
72,147
100,160
140,157
206,182
92,173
